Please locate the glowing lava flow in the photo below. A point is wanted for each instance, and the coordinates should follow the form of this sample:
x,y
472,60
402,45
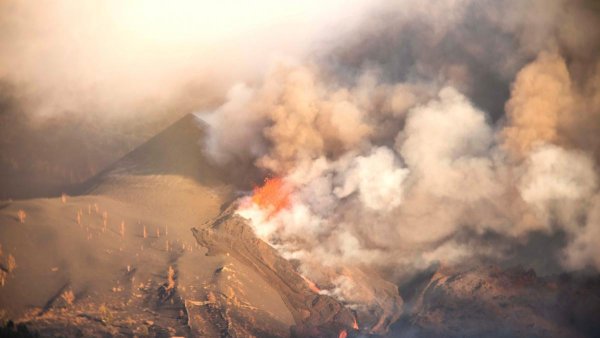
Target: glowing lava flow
x,y
273,196
311,285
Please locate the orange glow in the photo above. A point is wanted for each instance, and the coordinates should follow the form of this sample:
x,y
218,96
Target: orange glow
x,y
311,285
355,324
343,334
274,195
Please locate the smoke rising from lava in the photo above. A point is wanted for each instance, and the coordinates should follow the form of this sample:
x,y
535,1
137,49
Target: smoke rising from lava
x,y
434,125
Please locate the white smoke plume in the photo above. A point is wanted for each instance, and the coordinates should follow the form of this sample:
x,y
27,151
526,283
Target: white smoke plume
x,y
390,160
583,250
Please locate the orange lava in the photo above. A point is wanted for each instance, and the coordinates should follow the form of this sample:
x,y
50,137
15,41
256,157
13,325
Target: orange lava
x,y
273,196
343,334
355,324
311,285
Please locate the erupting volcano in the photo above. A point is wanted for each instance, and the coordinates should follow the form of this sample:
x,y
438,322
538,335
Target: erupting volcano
x,y
328,169
273,196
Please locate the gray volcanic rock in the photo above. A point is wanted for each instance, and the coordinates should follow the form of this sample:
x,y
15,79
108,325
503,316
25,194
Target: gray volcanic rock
x,y
314,315
490,302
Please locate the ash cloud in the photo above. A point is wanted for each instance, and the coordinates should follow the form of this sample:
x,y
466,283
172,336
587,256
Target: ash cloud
x,y
82,83
429,129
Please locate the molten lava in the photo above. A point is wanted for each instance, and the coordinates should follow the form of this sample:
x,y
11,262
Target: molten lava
x,y
273,196
311,285
343,334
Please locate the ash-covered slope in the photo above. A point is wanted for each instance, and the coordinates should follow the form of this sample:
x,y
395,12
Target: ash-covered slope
x,y
119,259
95,263
314,314
173,152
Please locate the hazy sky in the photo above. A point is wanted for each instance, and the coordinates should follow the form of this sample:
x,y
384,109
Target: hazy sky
x,y
113,56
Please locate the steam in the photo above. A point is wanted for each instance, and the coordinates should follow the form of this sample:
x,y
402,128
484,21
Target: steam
x,y
403,158
376,179
558,184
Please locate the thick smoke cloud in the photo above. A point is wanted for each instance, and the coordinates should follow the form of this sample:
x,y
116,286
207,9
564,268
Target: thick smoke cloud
x,y
431,128
548,105
83,82
541,101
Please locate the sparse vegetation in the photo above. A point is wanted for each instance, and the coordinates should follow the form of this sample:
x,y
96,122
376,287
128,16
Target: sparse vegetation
x,y
22,215
68,297
142,331
105,314
105,220
11,263
170,278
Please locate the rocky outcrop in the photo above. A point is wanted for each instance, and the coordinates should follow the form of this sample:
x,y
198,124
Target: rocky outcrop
x,y
314,315
492,302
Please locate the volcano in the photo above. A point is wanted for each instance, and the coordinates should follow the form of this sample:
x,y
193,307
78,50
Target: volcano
x,y
152,246
148,247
